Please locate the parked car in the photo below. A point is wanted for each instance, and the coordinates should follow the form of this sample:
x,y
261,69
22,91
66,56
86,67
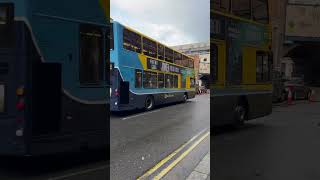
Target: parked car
x,y
299,90
278,94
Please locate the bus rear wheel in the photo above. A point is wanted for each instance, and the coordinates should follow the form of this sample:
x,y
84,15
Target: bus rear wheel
x,y
240,114
185,98
149,103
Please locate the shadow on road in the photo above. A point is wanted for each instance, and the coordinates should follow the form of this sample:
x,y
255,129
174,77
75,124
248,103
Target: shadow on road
x,y
26,167
232,129
138,111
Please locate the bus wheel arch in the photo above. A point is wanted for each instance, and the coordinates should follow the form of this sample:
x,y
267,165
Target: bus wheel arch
x,y
185,97
149,102
241,110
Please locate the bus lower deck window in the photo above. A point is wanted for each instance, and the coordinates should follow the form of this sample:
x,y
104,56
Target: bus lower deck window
x,y
138,79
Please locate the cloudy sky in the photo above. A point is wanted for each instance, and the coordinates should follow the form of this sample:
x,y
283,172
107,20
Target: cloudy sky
x,y
173,22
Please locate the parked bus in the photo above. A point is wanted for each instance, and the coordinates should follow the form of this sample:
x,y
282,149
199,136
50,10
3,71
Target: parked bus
x,y
241,59
53,86
146,73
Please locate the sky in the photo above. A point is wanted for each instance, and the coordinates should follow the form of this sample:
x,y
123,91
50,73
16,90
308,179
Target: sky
x,y
172,22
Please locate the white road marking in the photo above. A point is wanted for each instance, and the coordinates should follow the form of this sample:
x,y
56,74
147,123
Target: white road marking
x,y
78,173
142,114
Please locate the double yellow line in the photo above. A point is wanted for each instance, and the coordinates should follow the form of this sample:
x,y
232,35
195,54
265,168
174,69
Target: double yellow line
x,y
165,171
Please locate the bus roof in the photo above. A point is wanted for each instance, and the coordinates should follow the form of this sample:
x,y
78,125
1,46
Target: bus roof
x,y
129,28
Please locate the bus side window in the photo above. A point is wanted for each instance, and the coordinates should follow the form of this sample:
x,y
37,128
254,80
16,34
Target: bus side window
x,y
192,84
160,80
160,51
169,81
191,65
242,8
131,41
150,79
175,81
91,54
149,47
168,55
263,71
214,61
260,11
185,61
138,78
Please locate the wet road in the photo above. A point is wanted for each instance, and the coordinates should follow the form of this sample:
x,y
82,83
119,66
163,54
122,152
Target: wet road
x,y
285,145
142,139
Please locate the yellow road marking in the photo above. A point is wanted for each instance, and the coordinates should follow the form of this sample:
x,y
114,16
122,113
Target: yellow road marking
x,y
162,162
184,154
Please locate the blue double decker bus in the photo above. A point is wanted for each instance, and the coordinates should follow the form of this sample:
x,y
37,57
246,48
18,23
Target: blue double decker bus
x,y
146,73
53,76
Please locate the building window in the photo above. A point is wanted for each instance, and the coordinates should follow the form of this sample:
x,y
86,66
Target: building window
x,y
138,78
264,66
150,79
131,41
168,55
169,81
160,51
242,8
260,11
160,80
149,47
91,54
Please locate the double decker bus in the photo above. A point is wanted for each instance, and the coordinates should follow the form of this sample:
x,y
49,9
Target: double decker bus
x,y
241,61
53,76
146,73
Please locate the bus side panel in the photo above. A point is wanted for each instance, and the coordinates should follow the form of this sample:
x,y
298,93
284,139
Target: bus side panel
x,y
259,105
76,133
222,108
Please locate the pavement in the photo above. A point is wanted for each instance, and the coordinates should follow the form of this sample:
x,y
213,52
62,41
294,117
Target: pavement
x,y
158,142
202,170
284,145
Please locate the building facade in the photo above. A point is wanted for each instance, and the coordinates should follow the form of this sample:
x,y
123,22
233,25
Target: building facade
x,y
201,53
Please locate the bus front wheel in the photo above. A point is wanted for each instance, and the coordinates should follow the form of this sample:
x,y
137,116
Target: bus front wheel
x,y
149,103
